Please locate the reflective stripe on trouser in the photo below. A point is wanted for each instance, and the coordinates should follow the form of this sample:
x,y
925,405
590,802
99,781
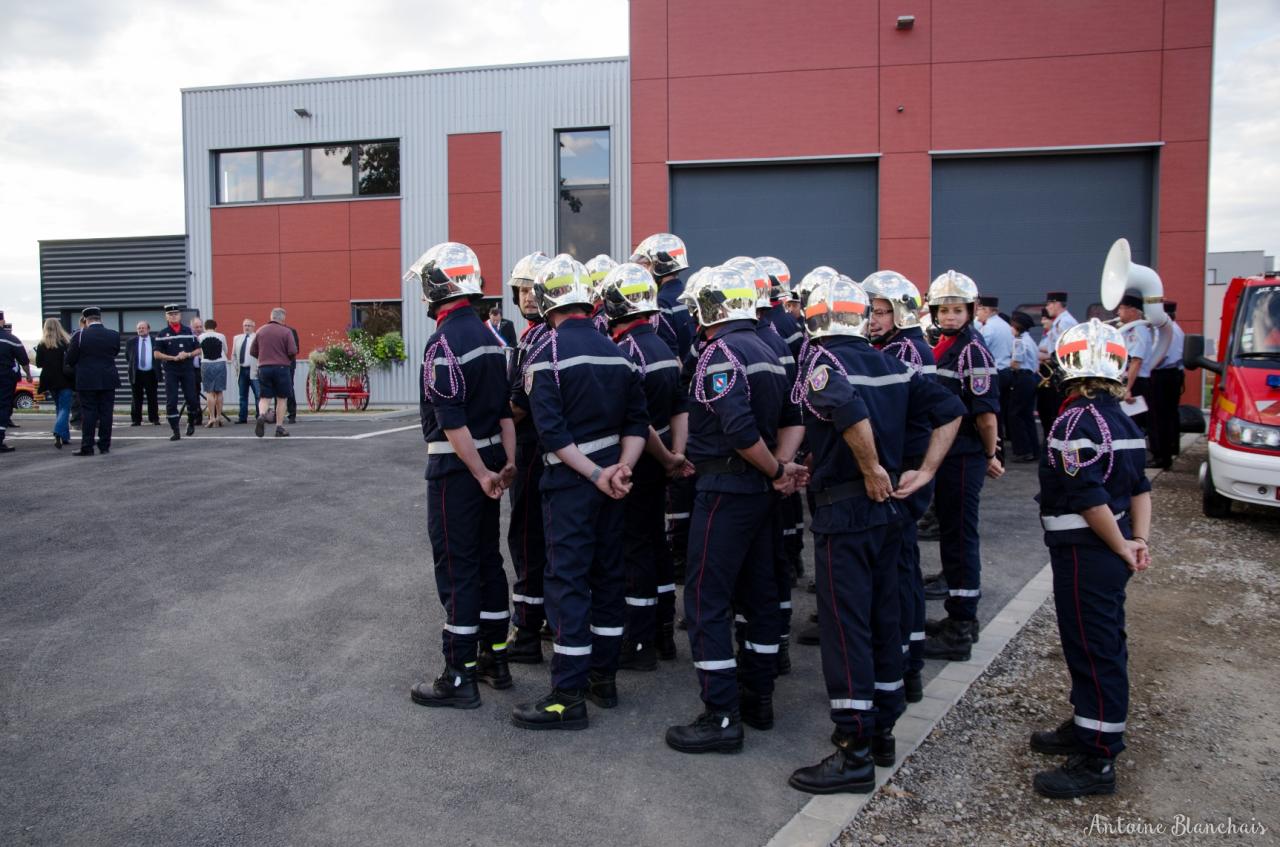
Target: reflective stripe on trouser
x,y
679,506
730,566
858,618
525,540
784,569
793,520
584,585
1088,593
463,524
180,381
911,606
642,546
959,482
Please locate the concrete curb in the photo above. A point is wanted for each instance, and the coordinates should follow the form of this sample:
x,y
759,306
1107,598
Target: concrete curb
x,y
823,818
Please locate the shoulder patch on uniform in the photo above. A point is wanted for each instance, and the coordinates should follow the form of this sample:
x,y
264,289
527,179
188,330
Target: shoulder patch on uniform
x,y
820,377
1071,462
720,382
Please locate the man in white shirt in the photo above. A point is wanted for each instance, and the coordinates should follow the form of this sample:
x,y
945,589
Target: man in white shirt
x,y
246,368
1138,341
1167,381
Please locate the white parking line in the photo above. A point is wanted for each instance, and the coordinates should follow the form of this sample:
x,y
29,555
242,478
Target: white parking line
x,y
75,439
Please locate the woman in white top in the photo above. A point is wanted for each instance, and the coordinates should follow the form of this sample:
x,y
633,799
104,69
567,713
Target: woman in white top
x,y
213,370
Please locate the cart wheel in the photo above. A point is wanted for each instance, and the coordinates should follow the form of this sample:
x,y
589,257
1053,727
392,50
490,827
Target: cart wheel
x,y
364,386
316,388
1212,503
23,401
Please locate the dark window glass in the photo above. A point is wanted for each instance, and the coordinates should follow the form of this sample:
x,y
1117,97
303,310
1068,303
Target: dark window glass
x,y
377,317
237,177
379,168
281,174
330,171
583,174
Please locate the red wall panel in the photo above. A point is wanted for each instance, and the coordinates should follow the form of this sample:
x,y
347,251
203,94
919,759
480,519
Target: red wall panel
x,y
317,321
649,129
905,195
475,218
315,276
375,274
246,277
375,224
905,46
982,30
649,200
905,87
475,201
1187,81
649,40
244,229
907,256
315,226
1188,23
231,314
1184,169
475,162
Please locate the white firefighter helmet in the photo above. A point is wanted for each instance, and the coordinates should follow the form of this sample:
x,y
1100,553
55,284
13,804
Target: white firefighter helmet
x,y
901,293
723,294
756,275
1092,349
663,252
446,272
953,287
525,272
563,281
836,307
597,269
628,291
779,277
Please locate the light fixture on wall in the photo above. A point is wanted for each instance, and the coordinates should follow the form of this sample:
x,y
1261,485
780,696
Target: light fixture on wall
x,y
906,21
301,112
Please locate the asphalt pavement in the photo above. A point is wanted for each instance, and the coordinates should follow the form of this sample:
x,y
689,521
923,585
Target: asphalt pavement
x,y
212,642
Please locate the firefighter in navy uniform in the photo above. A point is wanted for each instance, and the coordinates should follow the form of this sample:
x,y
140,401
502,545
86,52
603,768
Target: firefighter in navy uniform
x,y
894,328
588,404
466,421
598,268
862,408
1095,505
665,256
630,297
967,369
13,361
526,543
176,345
738,427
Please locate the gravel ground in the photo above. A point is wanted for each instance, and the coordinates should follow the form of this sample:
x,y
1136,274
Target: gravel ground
x,y
1204,734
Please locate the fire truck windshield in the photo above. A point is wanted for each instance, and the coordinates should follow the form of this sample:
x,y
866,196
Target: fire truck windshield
x,y
1258,325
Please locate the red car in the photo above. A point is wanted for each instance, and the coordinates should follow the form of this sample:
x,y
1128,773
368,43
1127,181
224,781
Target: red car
x,y
25,394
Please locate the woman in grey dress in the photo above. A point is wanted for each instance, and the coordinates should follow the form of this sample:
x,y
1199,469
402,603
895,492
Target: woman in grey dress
x,y
213,370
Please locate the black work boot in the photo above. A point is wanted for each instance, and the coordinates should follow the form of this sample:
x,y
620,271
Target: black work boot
x,y
756,709
913,687
191,427
810,635
1080,776
1061,741
784,655
453,689
524,647
933,627
492,669
666,645
545,633
712,731
177,436
952,642
602,689
561,709
883,747
638,657
849,769
935,588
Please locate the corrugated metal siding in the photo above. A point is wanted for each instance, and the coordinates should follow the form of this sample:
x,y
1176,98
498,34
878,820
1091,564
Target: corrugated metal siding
x,y
527,104
114,273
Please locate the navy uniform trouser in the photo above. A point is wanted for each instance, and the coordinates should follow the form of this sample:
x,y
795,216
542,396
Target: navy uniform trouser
x,y
1165,393
784,568
793,531
7,384
1088,593
857,580
1004,383
179,380
679,508
650,594
584,582
1022,407
525,540
463,524
911,605
96,408
959,489
730,566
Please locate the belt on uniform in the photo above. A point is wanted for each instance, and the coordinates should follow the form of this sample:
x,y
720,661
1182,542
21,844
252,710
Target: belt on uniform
x,y
663,431
437,448
1060,523
586,448
725,465
846,491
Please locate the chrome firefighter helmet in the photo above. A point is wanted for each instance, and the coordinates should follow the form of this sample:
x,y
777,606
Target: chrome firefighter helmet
x,y
952,287
901,293
446,272
723,294
686,297
756,275
779,277
664,253
597,269
1092,349
525,272
818,276
563,281
837,306
628,291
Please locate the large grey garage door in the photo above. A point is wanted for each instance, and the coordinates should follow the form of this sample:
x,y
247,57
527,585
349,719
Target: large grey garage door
x,y
1024,225
805,214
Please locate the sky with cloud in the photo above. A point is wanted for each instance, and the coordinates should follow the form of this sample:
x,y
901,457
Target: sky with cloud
x,y
91,129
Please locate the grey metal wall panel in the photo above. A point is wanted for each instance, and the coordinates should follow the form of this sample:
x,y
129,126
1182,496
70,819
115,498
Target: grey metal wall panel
x,y
1025,225
526,103
114,273
805,214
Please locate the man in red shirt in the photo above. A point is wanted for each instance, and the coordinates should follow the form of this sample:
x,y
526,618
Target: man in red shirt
x,y
275,347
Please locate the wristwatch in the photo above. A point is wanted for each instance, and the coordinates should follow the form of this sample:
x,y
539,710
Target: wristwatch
x,y
595,474
782,469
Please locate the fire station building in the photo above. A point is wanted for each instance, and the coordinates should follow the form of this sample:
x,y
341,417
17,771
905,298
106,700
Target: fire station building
x,y
1013,140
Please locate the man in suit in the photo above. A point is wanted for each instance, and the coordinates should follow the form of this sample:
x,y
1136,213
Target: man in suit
x,y
292,405
501,327
93,353
144,376
13,360
246,366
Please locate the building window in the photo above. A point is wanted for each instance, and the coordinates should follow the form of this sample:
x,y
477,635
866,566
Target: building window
x,y
583,182
364,169
376,317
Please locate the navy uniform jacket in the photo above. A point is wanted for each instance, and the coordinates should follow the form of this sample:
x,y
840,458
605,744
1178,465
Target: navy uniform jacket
x,y
902,346
12,355
532,336
582,390
875,386
774,340
674,323
967,369
788,328
464,383
93,353
172,343
1081,470
739,405
664,398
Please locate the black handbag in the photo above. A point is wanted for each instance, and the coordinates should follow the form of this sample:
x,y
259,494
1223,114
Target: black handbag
x,y
1190,419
